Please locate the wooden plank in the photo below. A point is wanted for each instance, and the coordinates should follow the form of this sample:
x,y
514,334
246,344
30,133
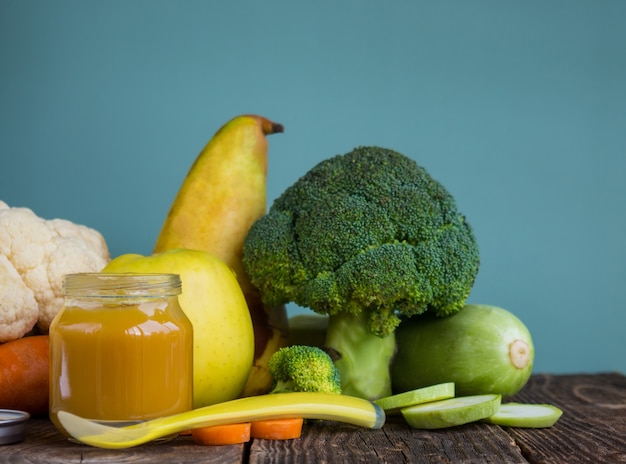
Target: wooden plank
x,y
592,428
331,442
45,445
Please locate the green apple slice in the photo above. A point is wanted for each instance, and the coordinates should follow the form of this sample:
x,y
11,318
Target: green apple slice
x,y
394,403
451,412
533,416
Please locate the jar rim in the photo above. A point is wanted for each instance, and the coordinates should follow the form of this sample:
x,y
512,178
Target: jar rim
x,y
121,284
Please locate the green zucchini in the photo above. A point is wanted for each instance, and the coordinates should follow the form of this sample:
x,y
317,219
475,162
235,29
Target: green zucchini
x,y
482,349
451,412
525,415
394,403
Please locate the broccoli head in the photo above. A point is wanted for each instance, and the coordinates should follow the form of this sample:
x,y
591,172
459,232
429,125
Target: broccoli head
x,y
302,368
368,234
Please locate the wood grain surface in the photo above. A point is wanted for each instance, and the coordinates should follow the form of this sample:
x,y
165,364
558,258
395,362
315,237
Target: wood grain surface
x,y
591,430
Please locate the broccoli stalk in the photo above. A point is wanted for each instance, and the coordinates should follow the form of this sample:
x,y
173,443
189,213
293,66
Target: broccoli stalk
x,y
301,368
366,238
362,358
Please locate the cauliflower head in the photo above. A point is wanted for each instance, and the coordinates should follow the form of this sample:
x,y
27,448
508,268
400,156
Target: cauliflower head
x,y
35,255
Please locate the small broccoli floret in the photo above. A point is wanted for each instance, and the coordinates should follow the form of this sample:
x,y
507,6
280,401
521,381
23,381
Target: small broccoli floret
x,y
368,235
301,368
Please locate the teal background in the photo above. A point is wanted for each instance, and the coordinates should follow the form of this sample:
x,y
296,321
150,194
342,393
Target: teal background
x,y
518,108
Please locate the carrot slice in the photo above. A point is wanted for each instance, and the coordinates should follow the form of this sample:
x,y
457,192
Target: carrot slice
x,y
277,429
226,434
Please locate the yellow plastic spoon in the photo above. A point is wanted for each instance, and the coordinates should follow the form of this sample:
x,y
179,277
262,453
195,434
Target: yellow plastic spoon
x,y
341,408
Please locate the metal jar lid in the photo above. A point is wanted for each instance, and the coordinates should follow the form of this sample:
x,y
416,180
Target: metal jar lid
x,y
12,426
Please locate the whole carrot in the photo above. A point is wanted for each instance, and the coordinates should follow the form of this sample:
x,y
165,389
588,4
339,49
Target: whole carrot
x,y
24,365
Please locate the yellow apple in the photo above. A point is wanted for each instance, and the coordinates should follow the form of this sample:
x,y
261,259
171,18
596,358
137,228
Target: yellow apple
x,y
214,303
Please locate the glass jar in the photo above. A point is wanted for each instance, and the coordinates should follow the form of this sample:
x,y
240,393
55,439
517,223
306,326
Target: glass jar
x,y
121,348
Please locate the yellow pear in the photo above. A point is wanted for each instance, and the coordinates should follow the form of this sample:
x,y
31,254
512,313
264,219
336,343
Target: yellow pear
x,y
213,302
223,194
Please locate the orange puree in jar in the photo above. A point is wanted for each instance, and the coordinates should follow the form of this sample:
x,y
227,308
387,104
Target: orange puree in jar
x,y
121,358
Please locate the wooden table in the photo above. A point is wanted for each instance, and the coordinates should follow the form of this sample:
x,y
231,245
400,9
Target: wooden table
x,y
592,429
